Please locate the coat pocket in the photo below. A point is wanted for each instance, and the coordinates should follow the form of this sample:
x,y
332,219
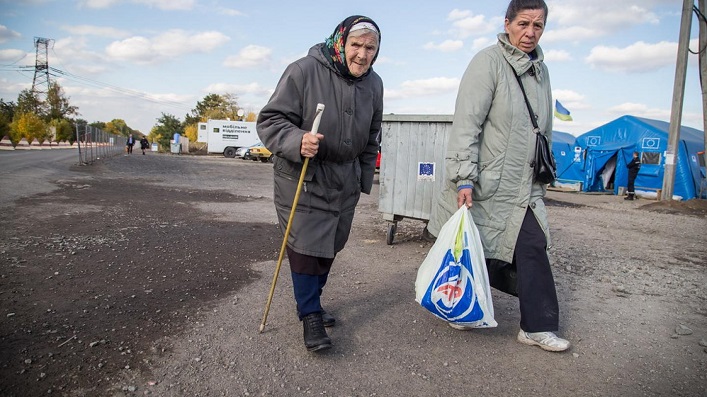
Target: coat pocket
x,y
291,170
489,178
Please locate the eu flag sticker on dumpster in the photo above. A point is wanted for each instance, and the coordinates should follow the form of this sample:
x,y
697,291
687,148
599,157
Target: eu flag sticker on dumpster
x,y
426,171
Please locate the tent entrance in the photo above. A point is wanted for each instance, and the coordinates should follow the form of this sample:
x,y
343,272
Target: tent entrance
x,y
605,168
608,174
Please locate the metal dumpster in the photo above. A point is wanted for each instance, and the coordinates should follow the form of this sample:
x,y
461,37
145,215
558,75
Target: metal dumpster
x,y
412,166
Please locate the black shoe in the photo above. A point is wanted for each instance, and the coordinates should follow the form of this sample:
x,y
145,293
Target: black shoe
x,y
327,319
315,336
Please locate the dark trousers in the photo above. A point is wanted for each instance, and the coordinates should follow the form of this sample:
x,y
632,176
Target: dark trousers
x,y
309,276
631,182
529,278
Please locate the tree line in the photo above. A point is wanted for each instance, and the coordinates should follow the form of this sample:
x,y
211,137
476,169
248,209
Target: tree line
x,y
56,119
212,106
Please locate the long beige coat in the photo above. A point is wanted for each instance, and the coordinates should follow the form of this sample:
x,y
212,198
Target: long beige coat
x,y
492,144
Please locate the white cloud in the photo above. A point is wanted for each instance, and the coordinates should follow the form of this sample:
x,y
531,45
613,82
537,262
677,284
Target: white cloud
x,y
168,45
638,57
601,16
97,3
231,12
465,23
420,88
168,4
93,30
557,56
445,46
7,34
74,51
12,56
180,42
567,96
138,49
9,90
640,110
481,43
572,34
249,57
456,14
571,100
161,4
238,89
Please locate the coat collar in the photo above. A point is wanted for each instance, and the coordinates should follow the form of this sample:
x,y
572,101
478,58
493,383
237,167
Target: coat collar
x,y
519,60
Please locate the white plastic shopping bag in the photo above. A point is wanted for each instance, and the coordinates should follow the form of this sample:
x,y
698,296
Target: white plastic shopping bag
x,y
452,282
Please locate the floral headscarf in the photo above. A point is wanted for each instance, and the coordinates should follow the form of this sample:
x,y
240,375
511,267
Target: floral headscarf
x,y
334,44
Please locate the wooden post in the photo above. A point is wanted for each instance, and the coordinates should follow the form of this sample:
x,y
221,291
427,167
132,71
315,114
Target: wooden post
x,y
703,70
678,96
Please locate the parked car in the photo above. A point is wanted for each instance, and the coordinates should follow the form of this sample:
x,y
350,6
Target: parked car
x,y
260,153
244,152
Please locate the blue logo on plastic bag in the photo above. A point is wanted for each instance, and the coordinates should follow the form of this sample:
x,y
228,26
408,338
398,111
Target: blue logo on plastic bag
x,y
451,295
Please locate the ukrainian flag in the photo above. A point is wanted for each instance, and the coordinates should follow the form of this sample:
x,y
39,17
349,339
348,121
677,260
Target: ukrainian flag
x,y
561,112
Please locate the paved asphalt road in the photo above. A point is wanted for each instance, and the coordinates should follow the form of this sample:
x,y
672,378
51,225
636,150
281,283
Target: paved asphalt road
x,y
28,172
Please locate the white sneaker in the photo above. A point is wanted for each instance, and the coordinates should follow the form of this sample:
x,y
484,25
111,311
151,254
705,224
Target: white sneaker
x,y
546,340
460,327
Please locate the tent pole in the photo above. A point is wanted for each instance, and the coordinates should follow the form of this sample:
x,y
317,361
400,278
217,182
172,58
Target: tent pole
x,y
678,96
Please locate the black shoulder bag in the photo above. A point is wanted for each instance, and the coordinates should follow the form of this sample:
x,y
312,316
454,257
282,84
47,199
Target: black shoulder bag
x,y
544,164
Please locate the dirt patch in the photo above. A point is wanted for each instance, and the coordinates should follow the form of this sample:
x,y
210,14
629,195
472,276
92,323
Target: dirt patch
x,y
98,271
148,275
694,207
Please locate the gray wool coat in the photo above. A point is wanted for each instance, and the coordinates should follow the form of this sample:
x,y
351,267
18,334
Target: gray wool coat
x,y
492,146
346,160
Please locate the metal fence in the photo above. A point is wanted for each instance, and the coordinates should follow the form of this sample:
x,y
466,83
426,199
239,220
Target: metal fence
x,y
94,144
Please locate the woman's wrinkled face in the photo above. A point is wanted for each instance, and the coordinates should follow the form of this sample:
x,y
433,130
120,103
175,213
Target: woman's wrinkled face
x,y
525,30
360,51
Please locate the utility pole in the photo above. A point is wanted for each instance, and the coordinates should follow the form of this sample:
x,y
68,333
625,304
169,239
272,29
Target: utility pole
x,y
40,82
702,56
678,96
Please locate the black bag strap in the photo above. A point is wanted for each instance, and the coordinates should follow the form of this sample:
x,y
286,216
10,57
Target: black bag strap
x,y
536,129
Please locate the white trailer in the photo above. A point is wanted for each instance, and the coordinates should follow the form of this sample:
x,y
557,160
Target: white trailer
x,y
226,136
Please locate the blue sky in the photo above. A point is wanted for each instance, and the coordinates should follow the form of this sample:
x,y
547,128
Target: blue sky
x,y
134,59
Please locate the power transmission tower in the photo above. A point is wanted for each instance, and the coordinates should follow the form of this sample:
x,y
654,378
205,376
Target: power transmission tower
x,y
40,82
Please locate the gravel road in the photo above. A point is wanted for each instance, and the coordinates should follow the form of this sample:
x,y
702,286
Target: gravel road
x,y
148,275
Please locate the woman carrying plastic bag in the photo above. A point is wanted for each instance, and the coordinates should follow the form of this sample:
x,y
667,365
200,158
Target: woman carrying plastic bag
x,y
452,282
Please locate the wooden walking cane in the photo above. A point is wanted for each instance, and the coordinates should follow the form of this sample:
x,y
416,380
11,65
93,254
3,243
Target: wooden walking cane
x,y
315,127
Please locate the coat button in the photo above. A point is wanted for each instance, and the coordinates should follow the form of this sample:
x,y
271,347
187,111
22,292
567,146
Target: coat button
x,y
532,205
349,112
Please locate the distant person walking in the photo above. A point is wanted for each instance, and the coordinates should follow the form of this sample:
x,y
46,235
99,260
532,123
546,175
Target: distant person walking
x,y
144,144
130,143
633,166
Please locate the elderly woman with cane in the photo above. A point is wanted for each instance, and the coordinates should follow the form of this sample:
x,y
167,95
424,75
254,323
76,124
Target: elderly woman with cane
x,y
341,157
504,99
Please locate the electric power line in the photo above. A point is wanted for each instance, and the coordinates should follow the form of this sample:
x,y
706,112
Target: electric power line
x,y
123,91
55,72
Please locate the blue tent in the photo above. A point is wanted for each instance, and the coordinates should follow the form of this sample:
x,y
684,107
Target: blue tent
x,y
569,167
607,149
